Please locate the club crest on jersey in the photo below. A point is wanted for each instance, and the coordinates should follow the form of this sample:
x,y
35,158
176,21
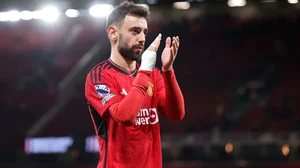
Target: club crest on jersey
x,y
102,90
150,89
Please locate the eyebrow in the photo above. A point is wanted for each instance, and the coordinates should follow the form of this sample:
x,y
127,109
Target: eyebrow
x,y
132,28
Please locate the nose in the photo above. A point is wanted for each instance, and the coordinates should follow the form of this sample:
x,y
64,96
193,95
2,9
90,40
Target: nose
x,y
142,38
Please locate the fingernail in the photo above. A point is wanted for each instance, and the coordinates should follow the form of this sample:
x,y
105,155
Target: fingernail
x,y
159,36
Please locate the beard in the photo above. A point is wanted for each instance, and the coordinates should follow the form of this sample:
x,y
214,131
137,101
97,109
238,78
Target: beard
x,y
128,52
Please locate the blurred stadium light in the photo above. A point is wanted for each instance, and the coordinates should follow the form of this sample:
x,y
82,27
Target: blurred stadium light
x,y
3,16
229,147
26,15
181,5
104,8
91,144
236,3
72,13
293,1
13,15
47,14
50,13
101,10
37,14
45,145
285,149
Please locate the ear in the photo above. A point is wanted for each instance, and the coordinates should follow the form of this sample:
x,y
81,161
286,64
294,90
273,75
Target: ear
x,y
112,33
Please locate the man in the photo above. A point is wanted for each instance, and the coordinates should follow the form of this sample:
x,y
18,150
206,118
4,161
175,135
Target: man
x,y
125,98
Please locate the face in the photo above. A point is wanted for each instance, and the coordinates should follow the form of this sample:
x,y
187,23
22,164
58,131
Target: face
x,y
132,36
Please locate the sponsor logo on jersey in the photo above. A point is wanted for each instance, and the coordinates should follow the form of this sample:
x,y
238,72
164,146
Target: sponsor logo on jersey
x,y
147,116
102,90
150,89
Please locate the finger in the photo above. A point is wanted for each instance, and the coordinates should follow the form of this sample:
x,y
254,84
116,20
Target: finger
x,y
155,44
175,42
174,48
172,52
178,40
168,42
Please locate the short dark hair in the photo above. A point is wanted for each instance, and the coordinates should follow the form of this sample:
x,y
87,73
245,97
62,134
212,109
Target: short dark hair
x,y
126,8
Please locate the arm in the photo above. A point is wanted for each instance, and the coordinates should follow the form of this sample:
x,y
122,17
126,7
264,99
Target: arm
x,y
171,100
125,111
175,101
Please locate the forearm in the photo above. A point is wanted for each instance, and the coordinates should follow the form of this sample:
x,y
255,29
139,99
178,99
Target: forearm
x,y
125,111
174,98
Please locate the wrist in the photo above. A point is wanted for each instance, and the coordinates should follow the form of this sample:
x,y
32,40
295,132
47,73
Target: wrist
x,y
148,61
168,74
167,68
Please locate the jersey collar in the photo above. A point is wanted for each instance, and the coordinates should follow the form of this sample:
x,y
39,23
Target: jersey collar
x,y
122,70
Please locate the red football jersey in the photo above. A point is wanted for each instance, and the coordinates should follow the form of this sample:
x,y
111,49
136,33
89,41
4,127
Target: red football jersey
x,y
136,146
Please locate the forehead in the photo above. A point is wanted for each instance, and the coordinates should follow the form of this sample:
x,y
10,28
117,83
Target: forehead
x,y
134,21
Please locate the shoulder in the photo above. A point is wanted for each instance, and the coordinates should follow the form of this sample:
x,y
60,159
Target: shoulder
x,y
98,71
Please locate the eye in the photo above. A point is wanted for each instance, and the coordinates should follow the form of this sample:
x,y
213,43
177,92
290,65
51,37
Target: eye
x,y
135,31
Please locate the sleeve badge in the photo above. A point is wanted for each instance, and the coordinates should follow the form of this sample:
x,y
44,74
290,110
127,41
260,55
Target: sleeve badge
x,y
102,90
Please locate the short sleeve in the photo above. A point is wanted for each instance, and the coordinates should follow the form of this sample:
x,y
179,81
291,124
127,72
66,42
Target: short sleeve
x,y
102,93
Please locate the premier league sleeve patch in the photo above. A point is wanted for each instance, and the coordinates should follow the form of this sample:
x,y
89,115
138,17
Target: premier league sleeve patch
x,y
102,90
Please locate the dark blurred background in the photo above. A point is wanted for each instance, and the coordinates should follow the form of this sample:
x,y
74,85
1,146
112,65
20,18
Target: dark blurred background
x,y
237,67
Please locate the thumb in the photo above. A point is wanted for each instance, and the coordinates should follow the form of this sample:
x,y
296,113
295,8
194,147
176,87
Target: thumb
x,y
168,42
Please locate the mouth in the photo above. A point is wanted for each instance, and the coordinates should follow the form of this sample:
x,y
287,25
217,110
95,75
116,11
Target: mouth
x,y
140,47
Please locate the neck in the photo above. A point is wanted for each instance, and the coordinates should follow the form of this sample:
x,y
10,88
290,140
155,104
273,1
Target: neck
x,y
118,59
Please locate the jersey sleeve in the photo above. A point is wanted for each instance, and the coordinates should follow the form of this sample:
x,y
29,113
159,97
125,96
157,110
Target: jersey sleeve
x,y
101,93
160,93
169,96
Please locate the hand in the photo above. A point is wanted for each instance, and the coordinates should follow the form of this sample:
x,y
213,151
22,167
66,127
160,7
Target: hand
x,y
149,56
169,53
